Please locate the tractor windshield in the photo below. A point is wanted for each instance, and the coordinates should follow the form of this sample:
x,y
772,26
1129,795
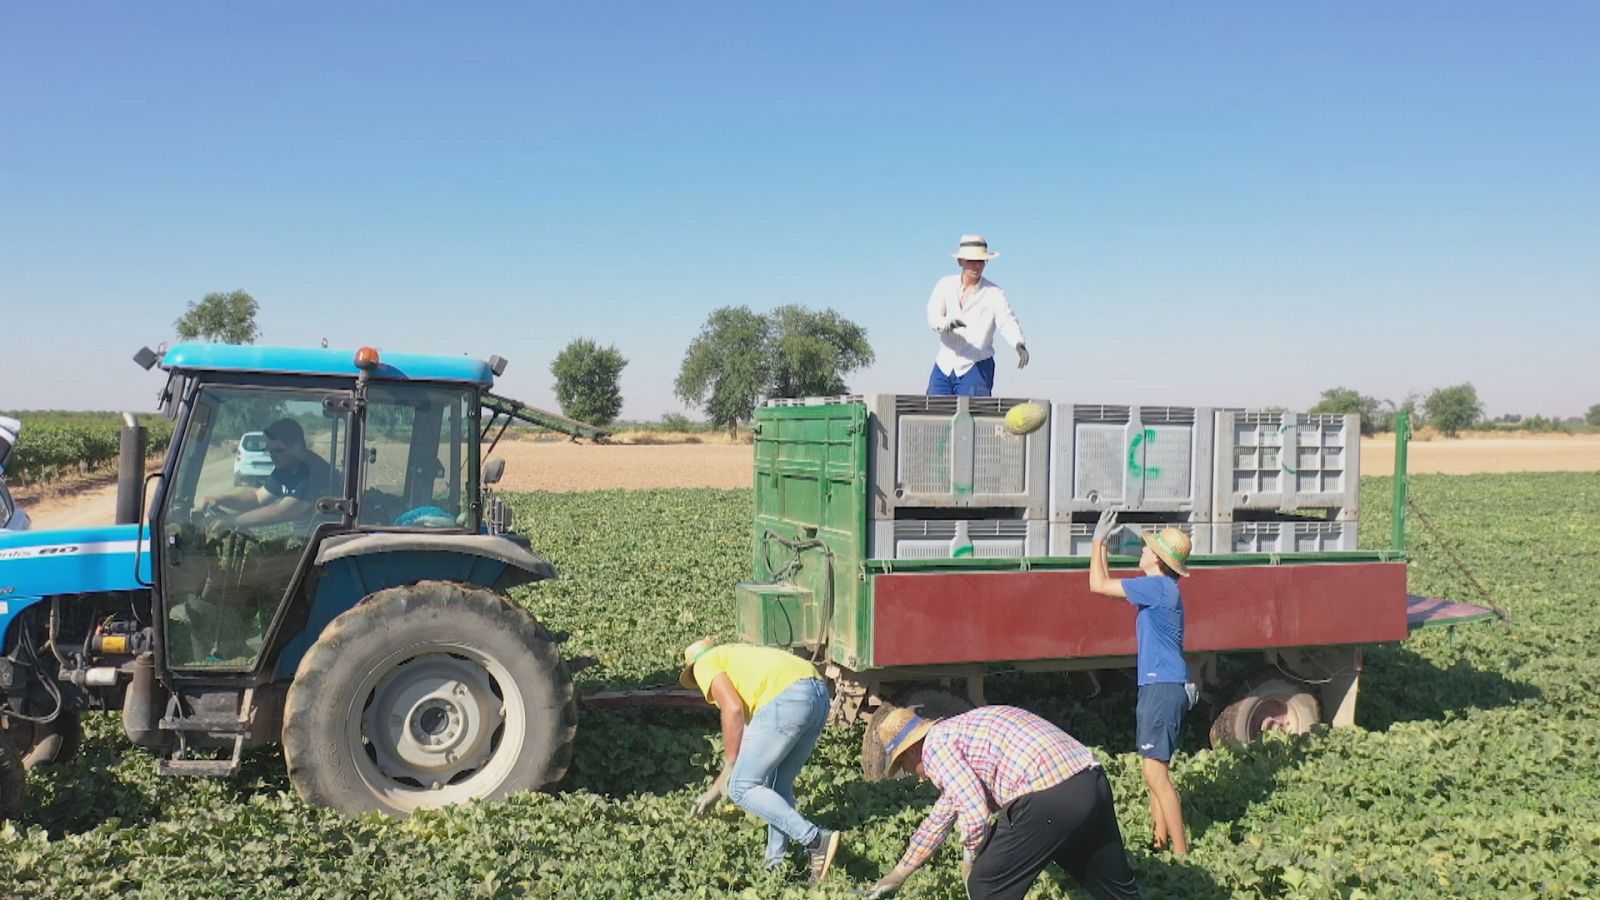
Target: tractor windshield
x,y
232,532
419,457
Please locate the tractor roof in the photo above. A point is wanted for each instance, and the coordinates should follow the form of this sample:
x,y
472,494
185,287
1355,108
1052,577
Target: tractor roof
x,y
324,361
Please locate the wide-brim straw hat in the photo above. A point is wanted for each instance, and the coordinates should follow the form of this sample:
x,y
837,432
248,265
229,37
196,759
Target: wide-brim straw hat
x,y
973,246
1173,546
691,655
900,730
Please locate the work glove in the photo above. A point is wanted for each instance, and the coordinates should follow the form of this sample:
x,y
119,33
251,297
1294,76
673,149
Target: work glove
x,y
1022,356
704,803
1103,528
889,883
951,325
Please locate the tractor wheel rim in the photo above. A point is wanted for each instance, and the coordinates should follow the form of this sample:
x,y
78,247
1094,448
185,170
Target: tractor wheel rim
x,y
1270,715
436,725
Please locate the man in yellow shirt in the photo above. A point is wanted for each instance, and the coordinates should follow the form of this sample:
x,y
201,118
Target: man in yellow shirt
x,y
773,707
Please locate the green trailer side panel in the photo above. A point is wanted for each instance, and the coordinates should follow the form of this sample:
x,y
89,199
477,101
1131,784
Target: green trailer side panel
x,y
810,486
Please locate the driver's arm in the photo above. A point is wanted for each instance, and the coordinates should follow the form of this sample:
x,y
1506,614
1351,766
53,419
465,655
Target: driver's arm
x,y
242,499
283,509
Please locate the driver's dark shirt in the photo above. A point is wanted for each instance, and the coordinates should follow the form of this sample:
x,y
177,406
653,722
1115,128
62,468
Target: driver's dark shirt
x,y
304,479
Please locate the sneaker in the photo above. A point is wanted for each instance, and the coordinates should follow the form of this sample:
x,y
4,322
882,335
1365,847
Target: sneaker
x,y
821,852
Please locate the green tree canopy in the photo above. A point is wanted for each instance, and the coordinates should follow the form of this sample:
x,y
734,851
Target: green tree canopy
x,y
1450,409
813,351
220,318
1593,416
1344,401
586,381
741,357
727,369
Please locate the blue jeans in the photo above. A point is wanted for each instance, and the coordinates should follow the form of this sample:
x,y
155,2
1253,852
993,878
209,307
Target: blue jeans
x,y
978,382
777,742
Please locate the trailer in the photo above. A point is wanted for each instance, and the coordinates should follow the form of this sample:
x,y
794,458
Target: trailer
x,y
898,541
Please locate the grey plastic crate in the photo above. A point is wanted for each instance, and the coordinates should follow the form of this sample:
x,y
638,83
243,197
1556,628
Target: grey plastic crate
x,y
1271,460
1139,458
1075,538
1287,536
957,538
943,452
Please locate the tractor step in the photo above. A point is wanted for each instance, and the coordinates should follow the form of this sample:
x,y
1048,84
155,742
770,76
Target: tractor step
x,y
203,768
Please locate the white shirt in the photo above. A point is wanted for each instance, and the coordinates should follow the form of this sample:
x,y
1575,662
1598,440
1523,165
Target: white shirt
x,y
986,309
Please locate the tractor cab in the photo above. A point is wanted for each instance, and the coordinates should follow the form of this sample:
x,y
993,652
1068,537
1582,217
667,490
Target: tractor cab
x,y
349,453
346,596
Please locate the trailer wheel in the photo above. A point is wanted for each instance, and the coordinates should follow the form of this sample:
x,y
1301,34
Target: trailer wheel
x,y
427,695
45,744
926,702
13,781
1271,704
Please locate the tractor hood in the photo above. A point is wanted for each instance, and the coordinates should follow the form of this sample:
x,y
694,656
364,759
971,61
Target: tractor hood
x,y
34,564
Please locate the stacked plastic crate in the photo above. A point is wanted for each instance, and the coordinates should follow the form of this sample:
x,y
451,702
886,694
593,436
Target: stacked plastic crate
x,y
1151,463
1286,482
948,481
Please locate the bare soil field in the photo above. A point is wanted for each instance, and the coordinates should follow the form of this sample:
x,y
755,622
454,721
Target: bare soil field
x,y
713,462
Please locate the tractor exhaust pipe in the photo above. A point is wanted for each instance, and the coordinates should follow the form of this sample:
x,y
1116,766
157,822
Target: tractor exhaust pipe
x,y
142,705
130,471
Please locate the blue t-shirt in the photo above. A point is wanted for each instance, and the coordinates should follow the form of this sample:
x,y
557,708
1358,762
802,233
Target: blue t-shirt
x,y
1159,628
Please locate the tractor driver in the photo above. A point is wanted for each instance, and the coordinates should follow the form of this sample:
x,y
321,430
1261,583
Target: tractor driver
x,y
298,478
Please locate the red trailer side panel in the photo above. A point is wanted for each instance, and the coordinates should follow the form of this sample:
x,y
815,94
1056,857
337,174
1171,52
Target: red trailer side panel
x,y
960,617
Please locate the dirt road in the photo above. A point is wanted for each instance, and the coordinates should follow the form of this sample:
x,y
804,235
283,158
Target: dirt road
x,y
560,466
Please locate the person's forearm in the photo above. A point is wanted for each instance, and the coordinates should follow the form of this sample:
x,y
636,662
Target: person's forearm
x,y
1099,570
732,734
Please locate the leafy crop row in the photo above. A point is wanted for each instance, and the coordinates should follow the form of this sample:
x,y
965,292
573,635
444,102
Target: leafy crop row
x,y
54,444
1476,772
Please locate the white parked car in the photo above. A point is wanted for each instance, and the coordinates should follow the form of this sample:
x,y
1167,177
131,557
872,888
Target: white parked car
x,y
251,462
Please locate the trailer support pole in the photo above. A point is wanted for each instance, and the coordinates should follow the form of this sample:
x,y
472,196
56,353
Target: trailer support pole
x,y
1402,436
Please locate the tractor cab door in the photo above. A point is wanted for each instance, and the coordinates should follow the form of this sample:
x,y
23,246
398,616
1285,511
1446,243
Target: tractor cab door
x,y
419,460
231,538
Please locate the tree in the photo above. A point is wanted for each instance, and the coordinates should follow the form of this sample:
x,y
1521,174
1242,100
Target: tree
x,y
741,357
1344,401
1451,409
220,318
813,351
1593,416
586,381
727,370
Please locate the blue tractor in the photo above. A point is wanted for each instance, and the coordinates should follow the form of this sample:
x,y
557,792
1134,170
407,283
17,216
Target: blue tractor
x,y
353,607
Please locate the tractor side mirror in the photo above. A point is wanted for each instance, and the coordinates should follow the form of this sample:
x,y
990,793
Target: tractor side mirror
x,y
493,470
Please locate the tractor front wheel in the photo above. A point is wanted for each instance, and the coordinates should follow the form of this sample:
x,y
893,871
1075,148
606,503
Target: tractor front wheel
x,y
427,695
45,744
13,781
1269,704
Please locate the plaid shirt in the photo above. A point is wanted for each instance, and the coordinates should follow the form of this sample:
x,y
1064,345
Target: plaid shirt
x,y
982,760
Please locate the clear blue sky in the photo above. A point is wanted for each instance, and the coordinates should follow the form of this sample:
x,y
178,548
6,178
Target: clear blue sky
x,y
1194,203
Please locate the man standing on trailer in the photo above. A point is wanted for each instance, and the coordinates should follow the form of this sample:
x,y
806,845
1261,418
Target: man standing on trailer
x,y
773,707
1165,692
1053,800
966,309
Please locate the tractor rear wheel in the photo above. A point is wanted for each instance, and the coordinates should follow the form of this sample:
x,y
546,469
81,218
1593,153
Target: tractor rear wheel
x,y
926,702
13,781
427,695
1269,704
45,744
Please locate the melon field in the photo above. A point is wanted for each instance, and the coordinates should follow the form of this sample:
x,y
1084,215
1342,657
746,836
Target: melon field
x,y
1475,772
